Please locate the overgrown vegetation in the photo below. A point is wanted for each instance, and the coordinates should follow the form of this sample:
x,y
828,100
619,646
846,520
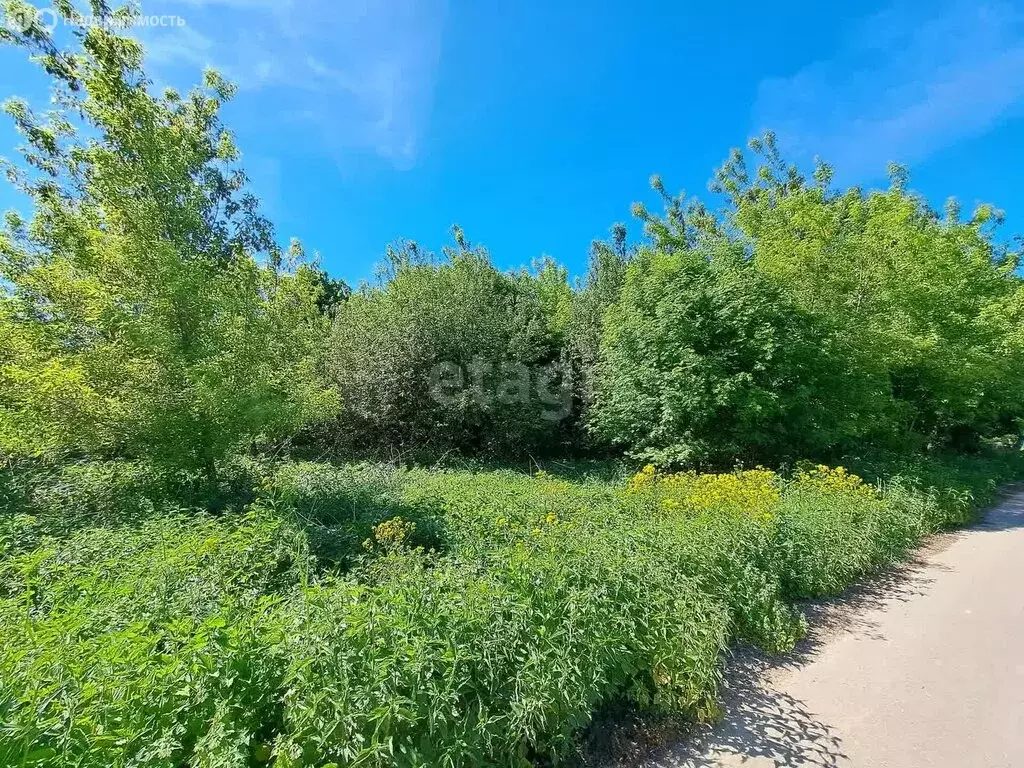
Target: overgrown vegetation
x,y
373,616
178,589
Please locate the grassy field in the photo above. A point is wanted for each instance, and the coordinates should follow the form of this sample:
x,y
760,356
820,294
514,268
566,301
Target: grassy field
x,y
369,615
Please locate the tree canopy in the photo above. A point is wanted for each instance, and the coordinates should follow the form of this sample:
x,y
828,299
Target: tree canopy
x,y
147,309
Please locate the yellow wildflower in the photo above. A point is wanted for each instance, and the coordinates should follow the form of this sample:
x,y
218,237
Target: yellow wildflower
x,y
392,534
833,480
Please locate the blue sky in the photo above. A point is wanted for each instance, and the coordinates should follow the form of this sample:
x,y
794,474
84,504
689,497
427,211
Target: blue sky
x,y
534,125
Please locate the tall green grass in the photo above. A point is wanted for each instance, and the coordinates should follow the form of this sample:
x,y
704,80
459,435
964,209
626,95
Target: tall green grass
x,y
363,615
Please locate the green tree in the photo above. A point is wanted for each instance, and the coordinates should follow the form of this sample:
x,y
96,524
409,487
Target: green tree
x,y
145,308
595,293
705,362
451,353
916,300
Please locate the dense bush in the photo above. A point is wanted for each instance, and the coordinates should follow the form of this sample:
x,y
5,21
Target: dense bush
x,y
924,306
451,354
801,322
164,322
810,322
142,645
442,663
704,360
595,294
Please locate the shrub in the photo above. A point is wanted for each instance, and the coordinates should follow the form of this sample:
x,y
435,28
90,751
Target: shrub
x,y
704,362
598,290
446,664
924,305
826,539
450,355
339,507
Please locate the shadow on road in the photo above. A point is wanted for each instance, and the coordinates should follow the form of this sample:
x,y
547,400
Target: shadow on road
x,y
763,726
1007,515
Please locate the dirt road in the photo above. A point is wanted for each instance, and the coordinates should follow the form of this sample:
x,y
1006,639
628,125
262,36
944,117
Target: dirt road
x,y
921,669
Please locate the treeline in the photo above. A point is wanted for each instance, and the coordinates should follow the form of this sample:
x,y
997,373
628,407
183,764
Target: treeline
x,y
799,321
146,311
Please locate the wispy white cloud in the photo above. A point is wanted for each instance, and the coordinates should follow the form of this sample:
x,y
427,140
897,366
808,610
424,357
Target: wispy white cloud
x,y
905,83
360,72
167,46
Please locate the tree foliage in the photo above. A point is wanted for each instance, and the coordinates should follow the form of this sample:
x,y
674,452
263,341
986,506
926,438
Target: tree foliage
x,y
917,301
598,291
704,360
146,310
451,353
808,321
